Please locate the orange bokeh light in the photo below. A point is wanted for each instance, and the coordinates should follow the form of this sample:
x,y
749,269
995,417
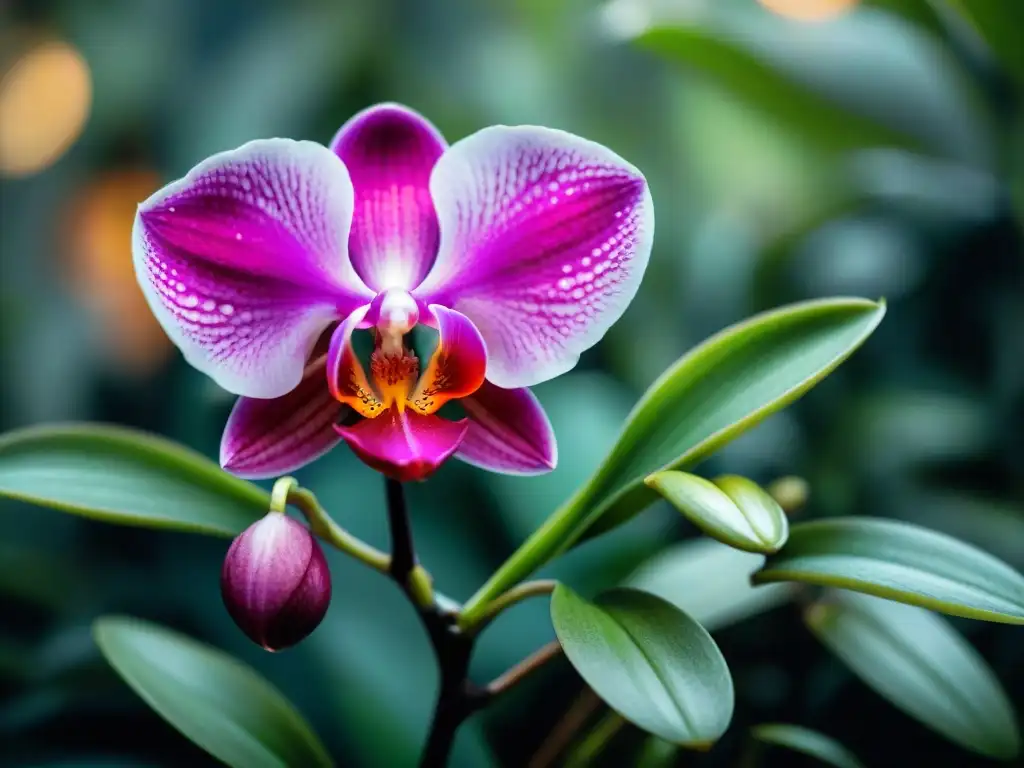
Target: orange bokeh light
x,y
808,10
98,245
45,98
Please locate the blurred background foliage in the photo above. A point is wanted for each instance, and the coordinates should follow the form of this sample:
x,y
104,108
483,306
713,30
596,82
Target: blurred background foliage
x,y
795,149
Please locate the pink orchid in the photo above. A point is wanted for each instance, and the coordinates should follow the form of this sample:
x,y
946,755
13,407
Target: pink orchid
x,y
520,246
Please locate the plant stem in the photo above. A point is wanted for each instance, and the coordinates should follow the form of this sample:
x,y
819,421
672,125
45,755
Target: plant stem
x,y
403,553
515,595
579,712
457,697
287,491
534,661
594,743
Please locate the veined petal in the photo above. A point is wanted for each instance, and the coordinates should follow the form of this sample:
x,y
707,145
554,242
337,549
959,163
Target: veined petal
x,y
346,378
403,444
390,151
544,239
268,438
457,366
244,261
508,432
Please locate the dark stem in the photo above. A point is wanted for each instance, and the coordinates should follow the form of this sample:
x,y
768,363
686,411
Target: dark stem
x,y
457,696
403,554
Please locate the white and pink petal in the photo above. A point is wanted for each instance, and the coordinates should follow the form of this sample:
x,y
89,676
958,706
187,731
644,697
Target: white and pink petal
x,y
390,151
269,438
545,237
509,432
244,261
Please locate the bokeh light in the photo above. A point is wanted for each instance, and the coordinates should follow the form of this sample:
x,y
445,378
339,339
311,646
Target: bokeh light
x,y
98,245
809,10
45,96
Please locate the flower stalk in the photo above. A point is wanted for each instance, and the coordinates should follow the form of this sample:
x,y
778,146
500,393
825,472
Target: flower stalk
x,y
458,697
287,491
514,596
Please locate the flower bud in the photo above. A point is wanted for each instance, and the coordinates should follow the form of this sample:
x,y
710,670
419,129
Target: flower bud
x,y
275,582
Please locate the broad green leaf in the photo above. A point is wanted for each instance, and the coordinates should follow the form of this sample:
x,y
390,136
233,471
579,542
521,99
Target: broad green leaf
x,y
863,62
807,742
649,661
730,508
902,562
918,662
127,477
710,581
717,391
213,699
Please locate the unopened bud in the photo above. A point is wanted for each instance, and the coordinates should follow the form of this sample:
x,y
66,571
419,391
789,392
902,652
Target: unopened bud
x,y
275,582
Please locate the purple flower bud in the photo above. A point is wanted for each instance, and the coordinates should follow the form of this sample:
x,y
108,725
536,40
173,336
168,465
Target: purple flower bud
x,y
275,582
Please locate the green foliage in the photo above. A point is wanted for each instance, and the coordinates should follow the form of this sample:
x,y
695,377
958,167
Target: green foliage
x,y
918,662
844,101
732,509
807,742
720,389
998,24
649,661
900,562
127,477
213,699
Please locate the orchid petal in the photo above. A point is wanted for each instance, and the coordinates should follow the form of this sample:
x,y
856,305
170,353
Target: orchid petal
x,y
457,366
269,438
390,151
508,432
403,444
346,378
243,261
544,239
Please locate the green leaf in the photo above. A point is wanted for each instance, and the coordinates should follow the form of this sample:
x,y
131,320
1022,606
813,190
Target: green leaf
x,y
807,742
127,477
709,581
863,62
901,562
720,389
717,391
213,699
919,663
731,509
649,661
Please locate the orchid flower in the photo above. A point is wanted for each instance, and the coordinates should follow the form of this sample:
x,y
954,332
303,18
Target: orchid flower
x,y
520,246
